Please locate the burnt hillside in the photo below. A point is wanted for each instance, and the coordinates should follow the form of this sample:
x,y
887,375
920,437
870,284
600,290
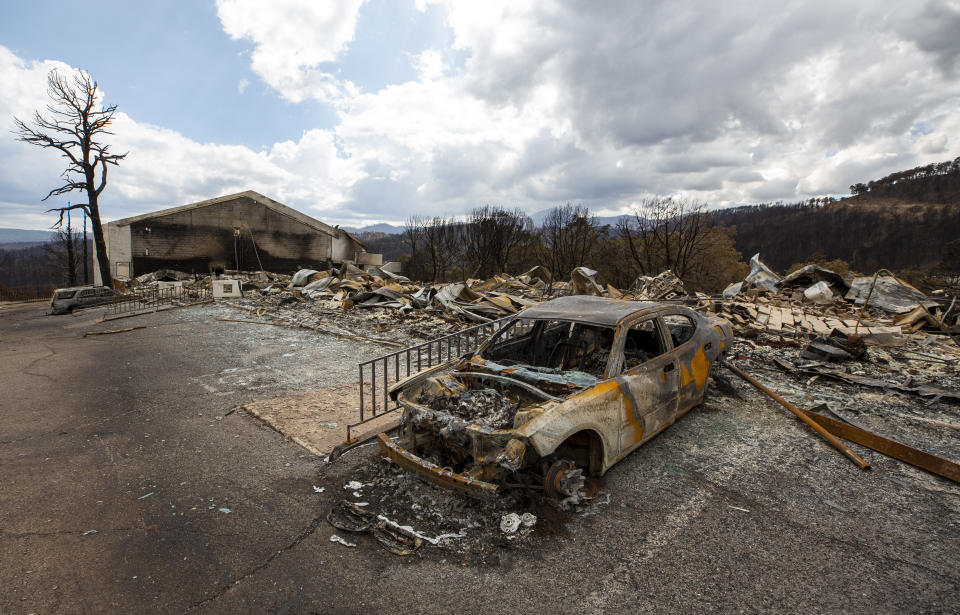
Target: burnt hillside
x,y
900,221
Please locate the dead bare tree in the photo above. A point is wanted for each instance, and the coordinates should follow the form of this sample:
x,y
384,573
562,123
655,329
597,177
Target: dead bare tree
x,y
490,237
75,124
440,240
413,232
64,250
666,233
568,237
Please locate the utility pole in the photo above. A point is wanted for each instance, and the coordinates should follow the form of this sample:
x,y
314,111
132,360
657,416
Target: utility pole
x,y
71,262
86,266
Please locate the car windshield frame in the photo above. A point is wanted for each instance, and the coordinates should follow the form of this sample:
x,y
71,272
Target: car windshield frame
x,y
520,320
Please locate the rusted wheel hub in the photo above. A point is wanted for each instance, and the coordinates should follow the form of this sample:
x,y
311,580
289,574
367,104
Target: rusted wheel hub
x,y
564,480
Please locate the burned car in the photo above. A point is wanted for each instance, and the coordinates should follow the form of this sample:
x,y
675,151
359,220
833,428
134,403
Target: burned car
x,y
569,386
66,300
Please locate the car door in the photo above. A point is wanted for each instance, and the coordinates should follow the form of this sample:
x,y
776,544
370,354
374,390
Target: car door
x,y
104,295
691,353
87,297
649,382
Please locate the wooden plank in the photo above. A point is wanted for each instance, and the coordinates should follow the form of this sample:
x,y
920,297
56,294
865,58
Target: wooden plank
x,y
763,315
833,323
776,321
819,326
786,315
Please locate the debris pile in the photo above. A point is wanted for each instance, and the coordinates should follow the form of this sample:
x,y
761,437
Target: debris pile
x,y
815,301
486,407
663,287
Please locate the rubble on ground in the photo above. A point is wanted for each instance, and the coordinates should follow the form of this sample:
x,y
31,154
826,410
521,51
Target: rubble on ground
x,y
406,515
380,305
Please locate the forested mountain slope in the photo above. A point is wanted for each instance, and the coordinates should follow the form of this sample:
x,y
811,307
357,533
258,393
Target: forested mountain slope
x,y
900,221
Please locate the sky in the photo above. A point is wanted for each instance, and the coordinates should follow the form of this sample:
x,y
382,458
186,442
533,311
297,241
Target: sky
x,y
357,112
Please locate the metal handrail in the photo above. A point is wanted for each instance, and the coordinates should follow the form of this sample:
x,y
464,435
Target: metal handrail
x,y
375,374
143,299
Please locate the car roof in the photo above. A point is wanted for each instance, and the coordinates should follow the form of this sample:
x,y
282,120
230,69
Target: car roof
x,y
79,287
588,309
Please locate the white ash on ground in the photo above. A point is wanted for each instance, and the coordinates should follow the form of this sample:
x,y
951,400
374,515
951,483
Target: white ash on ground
x,y
450,523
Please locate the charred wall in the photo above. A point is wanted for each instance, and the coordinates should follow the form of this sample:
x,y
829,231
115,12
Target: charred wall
x,y
240,232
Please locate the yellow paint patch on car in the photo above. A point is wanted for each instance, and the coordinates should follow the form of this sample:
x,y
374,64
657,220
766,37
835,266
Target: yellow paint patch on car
x,y
700,367
697,372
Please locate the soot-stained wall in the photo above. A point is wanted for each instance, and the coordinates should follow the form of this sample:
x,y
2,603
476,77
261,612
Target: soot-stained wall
x,y
198,240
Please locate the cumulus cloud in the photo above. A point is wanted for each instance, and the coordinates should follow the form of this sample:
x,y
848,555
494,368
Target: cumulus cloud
x,y
703,98
291,40
934,30
558,101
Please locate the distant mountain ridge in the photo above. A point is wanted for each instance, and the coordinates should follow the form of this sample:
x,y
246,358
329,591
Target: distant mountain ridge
x,y
19,235
901,221
537,217
382,227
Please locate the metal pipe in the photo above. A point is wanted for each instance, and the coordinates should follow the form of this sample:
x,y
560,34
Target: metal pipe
x,y
386,384
361,398
802,416
891,448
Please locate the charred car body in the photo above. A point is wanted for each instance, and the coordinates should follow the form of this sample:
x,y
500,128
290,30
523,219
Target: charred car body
x,y
571,385
66,300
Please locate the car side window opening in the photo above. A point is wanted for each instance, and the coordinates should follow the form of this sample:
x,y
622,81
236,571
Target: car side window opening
x,y
643,342
90,292
681,328
556,345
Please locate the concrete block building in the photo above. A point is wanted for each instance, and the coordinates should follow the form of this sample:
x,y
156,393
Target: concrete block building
x,y
246,231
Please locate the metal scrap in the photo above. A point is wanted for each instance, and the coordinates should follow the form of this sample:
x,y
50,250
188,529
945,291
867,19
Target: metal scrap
x,y
891,448
885,292
801,415
760,275
812,275
910,386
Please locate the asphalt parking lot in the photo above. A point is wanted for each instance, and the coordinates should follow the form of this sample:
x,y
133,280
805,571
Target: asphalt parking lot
x,y
130,484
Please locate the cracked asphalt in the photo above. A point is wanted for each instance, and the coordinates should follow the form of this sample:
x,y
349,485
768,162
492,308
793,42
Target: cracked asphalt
x,y
129,486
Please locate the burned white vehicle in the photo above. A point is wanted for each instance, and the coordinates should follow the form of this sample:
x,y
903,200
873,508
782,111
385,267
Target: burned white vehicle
x,y
571,385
